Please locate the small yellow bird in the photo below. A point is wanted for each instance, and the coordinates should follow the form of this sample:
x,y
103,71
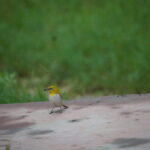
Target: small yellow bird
x,y
54,98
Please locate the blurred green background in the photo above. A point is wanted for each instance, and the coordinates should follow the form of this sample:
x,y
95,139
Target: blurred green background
x,y
86,47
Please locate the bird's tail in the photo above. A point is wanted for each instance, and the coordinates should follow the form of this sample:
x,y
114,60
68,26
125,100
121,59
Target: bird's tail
x,y
65,106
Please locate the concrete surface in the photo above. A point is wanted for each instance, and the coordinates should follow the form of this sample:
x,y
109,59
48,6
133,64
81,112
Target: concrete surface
x,y
106,123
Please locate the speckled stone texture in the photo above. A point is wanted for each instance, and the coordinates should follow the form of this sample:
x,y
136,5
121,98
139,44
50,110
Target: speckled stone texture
x,y
105,123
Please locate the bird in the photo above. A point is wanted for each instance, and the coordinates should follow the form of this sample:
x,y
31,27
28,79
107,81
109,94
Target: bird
x,y
55,98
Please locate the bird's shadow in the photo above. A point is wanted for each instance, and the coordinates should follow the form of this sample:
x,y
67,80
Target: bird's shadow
x,y
59,111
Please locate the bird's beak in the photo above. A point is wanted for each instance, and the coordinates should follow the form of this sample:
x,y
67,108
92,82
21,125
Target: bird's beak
x,y
46,89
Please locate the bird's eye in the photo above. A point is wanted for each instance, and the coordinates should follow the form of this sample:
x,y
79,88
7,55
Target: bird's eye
x,y
50,88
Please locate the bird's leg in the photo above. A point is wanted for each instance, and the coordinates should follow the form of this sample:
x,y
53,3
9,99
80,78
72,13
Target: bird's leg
x,y
50,112
60,109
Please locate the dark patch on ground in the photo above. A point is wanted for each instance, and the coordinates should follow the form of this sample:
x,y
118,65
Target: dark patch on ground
x,y
136,119
13,126
7,124
7,119
4,119
125,113
75,120
38,132
19,118
13,131
74,145
130,142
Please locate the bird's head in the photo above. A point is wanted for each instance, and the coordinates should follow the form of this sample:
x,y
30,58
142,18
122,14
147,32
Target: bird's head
x,y
52,90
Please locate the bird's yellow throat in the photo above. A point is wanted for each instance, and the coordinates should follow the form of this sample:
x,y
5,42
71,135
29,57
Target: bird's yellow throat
x,y
52,93
53,90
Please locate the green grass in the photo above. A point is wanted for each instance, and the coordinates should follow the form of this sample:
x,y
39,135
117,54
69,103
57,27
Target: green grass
x,y
13,91
95,47
7,147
